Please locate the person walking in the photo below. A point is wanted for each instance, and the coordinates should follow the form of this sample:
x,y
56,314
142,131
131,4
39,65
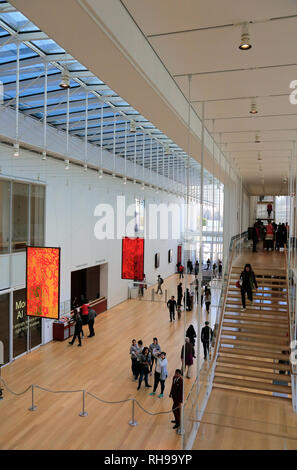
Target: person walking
x,y
144,362
208,264
179,294
189,354
181,271
207,300
137,365
206,338
154,348
171,304
247,282
220,268
214,269
91,319
161,373
176,393
191,334
160,282
269,210
196,267
77,329
134,350
85,314
187,300
269,236
255,237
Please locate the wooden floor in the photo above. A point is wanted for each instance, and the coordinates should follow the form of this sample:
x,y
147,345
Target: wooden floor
x,y
101,366
243,421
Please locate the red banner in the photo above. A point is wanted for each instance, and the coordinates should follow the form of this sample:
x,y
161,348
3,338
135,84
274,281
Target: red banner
x,y
133,258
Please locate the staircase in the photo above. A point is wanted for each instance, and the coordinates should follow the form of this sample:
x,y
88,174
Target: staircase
x,y
254,345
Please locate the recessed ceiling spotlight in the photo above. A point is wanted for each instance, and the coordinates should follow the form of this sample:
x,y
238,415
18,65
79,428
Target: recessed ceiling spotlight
x,y
257,139
65,81
43,155
253,109
100,174
67,166
245,43
125,180
85,167
259,157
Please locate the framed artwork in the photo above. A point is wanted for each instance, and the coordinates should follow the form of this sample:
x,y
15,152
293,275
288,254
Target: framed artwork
x,y
157,260
132,258
43,282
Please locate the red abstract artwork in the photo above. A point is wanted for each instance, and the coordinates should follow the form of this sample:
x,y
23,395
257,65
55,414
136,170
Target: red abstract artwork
x,y
133,258
43,282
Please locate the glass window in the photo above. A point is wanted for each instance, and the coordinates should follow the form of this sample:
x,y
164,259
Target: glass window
x,y
4,325
4,216
35,331
20,325
20,209
37,215
139,216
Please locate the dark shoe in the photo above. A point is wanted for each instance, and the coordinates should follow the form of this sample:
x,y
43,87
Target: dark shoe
x,y
70,342
79,344
173,421
138,388
147,386
175,426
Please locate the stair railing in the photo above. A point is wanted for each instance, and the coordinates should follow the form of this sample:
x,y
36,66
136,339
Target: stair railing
x,y
198,396
292,318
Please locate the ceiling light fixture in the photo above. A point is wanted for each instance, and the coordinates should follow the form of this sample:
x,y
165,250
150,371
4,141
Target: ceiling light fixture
x,y
257,139
132,127
125,180
65,80
259,157
16,149
245,43
85,167
67,166
253,109
43,155
100,174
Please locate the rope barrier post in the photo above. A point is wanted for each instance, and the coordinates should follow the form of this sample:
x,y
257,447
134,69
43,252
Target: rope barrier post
x,y
133,422
83,413
32,407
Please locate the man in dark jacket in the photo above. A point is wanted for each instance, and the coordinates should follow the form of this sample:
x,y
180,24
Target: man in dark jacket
x,y
91,319
171,304
206,338
176,393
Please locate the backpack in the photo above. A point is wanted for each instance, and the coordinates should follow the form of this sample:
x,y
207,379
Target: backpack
x,y
161,280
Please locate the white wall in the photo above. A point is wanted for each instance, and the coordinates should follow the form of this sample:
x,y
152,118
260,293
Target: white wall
x,y
71,199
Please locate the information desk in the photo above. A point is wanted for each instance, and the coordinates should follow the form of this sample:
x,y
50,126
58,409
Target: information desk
x,y
62,330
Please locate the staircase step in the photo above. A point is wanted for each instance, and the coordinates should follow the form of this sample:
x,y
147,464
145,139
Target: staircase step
x,y
241,362
274,305
246,385
248,374
251,336
281,314
259,294
241,321
259,354
263,329
261,287
256,345
282,323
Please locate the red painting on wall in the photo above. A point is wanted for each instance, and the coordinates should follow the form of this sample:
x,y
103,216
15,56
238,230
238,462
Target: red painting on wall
x,y
43,282
133,258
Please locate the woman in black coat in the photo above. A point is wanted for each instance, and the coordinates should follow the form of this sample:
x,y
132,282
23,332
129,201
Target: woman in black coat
x,y
77,329
191,334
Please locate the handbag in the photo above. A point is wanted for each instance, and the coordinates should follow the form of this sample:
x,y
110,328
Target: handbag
x,y
238,284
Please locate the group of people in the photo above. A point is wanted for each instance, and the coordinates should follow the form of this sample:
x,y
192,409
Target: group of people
x,y
273,235
194,268
83,315
143,359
